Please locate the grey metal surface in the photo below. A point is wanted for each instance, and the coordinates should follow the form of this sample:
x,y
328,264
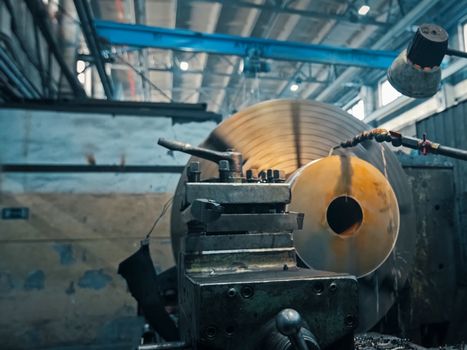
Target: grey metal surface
x,y
239,261
430,311
257,222
327,311
233,242
233,193
433,281
450,128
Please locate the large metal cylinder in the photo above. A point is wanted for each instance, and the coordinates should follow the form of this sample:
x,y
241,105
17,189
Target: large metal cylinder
x,y
349,208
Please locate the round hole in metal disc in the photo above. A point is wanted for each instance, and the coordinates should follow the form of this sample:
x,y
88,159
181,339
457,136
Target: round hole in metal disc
x,y
344,215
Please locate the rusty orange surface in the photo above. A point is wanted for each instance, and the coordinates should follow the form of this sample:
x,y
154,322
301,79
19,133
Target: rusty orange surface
x,y
368,215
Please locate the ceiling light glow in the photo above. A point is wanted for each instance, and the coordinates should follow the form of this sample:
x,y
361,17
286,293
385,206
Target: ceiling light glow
x,y
81,78
362,11
294,87
80,66
184,65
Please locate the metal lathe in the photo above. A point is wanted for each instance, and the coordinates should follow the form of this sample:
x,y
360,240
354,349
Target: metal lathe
x,y
286,235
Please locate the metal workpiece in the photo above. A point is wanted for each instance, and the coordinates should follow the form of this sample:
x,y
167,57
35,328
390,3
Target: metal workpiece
x,y
287,135
239,193
354,207
197,244
239,261
233,253
254,299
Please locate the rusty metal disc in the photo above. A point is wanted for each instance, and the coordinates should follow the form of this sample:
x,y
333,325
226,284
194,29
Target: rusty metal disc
x,y
288,134
350,209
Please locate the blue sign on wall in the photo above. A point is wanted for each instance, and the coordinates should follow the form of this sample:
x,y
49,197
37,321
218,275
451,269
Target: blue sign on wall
x,y
15,213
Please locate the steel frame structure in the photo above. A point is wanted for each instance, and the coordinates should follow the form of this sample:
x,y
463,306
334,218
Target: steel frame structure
x,y
41,51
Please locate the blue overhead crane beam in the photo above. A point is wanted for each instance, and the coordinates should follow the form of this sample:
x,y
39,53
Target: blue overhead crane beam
x,y
221,44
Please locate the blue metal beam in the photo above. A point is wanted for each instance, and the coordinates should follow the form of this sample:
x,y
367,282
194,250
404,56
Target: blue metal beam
x,y
222,44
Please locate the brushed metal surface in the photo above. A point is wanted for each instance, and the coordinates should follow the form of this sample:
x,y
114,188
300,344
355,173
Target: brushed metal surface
x,y
367,215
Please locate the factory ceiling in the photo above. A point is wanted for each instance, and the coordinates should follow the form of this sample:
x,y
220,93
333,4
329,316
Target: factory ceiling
x,y
160,75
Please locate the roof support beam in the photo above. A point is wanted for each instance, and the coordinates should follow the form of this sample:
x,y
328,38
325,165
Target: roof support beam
x,y
140,18
89,32
304,13
221,44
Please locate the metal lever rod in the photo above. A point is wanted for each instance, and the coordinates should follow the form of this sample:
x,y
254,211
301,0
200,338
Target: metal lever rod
x,y
234,158
289,323
204,153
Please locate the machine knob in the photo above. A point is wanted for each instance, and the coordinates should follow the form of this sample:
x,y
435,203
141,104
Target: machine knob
x,y
289,323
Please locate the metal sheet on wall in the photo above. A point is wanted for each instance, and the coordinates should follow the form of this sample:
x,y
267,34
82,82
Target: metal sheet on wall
x,y
449,127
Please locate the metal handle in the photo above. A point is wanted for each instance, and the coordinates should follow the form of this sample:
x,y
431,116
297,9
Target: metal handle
x,y
289,323
235,159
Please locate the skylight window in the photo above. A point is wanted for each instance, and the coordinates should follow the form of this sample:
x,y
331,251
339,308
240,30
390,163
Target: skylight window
x,y
358,110
387,93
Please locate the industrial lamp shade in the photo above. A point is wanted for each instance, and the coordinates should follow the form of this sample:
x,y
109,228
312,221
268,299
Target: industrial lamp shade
x,y
416,71
411,80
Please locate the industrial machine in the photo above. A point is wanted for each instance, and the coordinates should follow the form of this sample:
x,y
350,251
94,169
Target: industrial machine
x,y
238,260
291,228
271,234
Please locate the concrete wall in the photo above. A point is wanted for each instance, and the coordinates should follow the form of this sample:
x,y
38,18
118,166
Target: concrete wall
x,y
70,138
58,282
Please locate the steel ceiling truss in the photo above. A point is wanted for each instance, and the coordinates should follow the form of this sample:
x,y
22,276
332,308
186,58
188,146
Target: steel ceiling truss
x,y
85,16
350,17
30,36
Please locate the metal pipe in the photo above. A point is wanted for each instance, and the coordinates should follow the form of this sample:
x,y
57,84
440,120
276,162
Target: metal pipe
x,y
16,76
451,152
78,168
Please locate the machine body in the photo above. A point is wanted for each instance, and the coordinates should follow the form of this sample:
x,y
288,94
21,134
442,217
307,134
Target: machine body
x,y
238,271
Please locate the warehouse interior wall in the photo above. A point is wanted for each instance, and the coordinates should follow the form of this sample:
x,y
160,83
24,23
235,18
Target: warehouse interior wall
x,y
58,272
58,269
